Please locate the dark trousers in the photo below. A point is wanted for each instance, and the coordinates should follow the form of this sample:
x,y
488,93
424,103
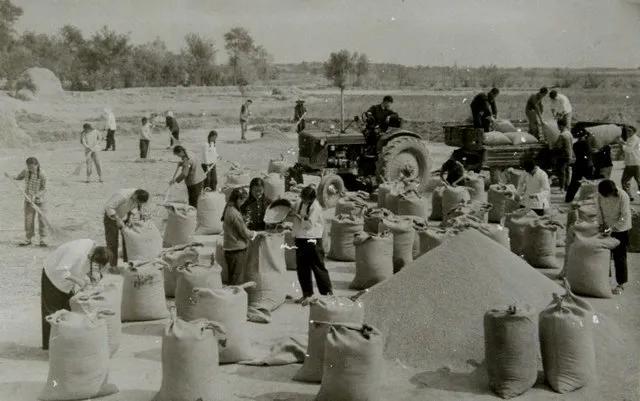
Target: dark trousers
x,y
111,234
236,262
564,172
144,148
111,140
175,137
51,301
577,173
211,181
193,191
300,127
481,121
310,258
619,255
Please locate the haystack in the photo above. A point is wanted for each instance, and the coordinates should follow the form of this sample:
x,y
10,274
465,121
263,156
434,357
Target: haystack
x,y
45,83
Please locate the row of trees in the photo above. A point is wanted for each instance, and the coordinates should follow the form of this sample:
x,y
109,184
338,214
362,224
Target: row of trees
x,y
108,59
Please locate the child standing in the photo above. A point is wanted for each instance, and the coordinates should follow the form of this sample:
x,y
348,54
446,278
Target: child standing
x,y
35,188
145,137
209,161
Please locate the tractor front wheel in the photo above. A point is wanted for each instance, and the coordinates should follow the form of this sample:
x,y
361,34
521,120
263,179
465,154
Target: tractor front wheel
x,y
405,157
330,189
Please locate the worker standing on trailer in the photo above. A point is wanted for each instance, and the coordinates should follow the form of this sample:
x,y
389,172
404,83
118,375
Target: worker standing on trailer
x,y
484,109
534,111
299,112
560,107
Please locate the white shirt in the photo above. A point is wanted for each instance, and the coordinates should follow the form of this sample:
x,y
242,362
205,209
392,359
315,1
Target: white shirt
x,y
71,258
121,203
312,224
90,139
145,131
534,189
632,151
110,122
615,211
560,105
209,153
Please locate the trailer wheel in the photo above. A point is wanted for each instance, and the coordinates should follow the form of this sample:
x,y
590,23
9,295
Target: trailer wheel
x,y
405,157
330,189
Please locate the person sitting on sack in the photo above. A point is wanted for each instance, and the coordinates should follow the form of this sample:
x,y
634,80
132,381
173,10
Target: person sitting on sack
x,y
236,237
72,263
254,208
614,217
191,174
116,213
308,226
534,189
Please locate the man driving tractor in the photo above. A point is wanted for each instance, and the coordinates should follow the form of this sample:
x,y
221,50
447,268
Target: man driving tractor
x,y
379,118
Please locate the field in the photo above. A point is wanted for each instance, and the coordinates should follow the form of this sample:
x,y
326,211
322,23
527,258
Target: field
x,y
76,207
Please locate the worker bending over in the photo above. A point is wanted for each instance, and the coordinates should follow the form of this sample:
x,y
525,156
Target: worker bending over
x,y
484,109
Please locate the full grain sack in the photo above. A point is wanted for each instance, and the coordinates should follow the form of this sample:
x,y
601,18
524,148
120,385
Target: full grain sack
x,y
495,138
403,240
227,306
106,295
190,369
374,217
478,210
431,237
352,203
504,126
209,213
266,267
343,229
605,134
582,228
237,177
513,176
588,265
273,186
174,259
501,197
383,190
516,222
374,259
142,240
181,224
566,342
78,358
325,309
192,276
354,365
279,166
588,189
452,197
550,132
540,243
496,232
143,294
475,183
511,349
436,204
411,203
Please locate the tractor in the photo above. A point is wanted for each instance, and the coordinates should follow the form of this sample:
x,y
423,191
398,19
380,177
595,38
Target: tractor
x,y
345,161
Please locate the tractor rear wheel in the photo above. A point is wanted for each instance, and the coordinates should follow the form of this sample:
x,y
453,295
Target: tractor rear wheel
x,y
330,189
404,157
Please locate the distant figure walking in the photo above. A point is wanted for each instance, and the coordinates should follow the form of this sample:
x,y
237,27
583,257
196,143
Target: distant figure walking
x,y
298,115
145,138
90,139
174,129
35,189
534,110
244,118
110,128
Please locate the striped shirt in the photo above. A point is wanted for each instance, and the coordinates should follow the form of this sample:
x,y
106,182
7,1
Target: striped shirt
x,y
35,183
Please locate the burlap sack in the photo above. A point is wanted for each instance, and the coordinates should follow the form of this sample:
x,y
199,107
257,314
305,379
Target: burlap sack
x,y
511,349
78,358
273,186
431,237
403,239
566,342
452,197
411,203
475,209
374,217
354,365
605,134
551,132
142,240
495,138
516,222
227,306
374,259
436,204
383,190
352,203
504,126
519,137
540,243
588,265
588,190
323,310
475,183
173,260
181,224
190,369
279,166
501,197
343,229
189,277
143,294
209,214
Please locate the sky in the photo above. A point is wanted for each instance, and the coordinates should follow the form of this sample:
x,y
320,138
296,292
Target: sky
x,y
507,33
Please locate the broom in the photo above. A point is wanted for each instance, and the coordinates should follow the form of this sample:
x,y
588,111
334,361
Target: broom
x,y
78,168
53,230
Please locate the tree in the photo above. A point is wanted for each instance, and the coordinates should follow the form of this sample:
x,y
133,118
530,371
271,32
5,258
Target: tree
x,y
338,69
200,59
103,56
247,60
9,14
361,67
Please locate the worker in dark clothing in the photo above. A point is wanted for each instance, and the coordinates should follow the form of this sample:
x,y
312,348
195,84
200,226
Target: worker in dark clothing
x,y
484,109
534,110
174,129
454,171
583,166
298,115
378,119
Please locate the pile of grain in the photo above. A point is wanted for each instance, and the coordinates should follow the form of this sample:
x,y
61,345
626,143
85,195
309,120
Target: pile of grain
x,y
45,83
11,135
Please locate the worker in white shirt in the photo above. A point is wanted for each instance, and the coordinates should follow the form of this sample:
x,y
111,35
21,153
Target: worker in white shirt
x,y
110,128
145,137
560,107
90,140
631,146
71,264
116,213
534,189
209,161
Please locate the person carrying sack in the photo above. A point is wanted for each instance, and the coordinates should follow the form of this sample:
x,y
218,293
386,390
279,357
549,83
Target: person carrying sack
x,y
71,264
116,213
614,217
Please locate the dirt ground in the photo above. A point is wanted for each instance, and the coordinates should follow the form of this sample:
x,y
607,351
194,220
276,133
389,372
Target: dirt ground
x,y
76,206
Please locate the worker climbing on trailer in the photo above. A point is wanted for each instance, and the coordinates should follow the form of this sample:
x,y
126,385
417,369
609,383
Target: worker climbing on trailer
x,y
484,109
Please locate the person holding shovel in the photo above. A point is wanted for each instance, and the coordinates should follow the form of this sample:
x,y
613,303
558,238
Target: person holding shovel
x,y
90,140
209,161
35,189
116,212
299,111
174,129
191,173
73,264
